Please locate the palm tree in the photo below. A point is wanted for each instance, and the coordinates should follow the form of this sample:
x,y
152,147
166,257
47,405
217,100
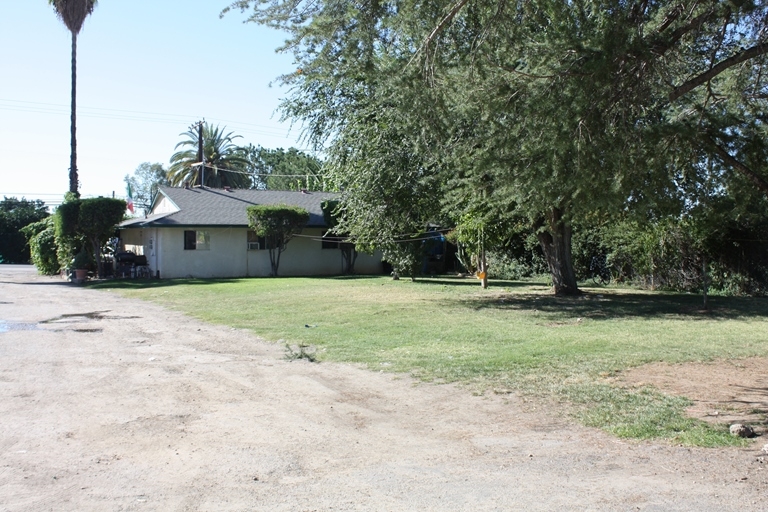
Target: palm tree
x,y
73,13
226,164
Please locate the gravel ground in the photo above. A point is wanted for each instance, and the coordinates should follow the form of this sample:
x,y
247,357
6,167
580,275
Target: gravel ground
x,y
115,404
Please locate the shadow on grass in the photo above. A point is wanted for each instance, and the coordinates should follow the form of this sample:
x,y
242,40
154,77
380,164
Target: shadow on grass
x,y
142,284
608,306
133,284
474,282
348,277
138,284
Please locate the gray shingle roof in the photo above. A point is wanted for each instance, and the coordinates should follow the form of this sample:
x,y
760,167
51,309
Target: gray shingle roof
x,y
219,207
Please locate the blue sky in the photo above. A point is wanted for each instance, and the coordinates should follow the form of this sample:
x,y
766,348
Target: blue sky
x,y
147,69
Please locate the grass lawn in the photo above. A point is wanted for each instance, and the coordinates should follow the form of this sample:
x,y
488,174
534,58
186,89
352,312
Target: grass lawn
x,y
513,336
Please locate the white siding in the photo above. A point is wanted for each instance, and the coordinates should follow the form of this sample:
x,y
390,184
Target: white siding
x,y
226,257
229,255
164,205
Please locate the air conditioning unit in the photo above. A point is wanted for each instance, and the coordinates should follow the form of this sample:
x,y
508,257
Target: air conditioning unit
x,y
253,246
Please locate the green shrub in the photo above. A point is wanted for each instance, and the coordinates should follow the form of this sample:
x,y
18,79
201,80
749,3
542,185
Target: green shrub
x,y
41,237
92,221
277,224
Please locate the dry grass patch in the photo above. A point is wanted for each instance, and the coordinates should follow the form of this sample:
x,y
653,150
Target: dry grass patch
x,y
723,391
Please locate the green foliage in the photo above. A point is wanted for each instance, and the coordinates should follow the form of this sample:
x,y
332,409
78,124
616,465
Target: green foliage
x,y
41,237
68,242
728,241
98,217
67,218
508,266
82,260
278,169
87,220
145,182
226,164
553,110
14,215
97,221
476,235
405,256
277,224
388,184
330,215
299,352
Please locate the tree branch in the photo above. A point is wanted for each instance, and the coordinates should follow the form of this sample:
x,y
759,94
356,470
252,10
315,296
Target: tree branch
x,y
757,180
440,26
661,47
750,53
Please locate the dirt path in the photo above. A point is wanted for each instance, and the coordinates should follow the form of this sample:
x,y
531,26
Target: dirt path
x,y
115,404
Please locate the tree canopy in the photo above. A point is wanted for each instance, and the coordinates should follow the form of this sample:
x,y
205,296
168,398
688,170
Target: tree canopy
x,y
543,110
279,169
93,220
226,164
41,237
15,214
145,182
277,224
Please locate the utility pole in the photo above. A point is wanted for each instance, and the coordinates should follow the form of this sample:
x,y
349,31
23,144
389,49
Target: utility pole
x,y
200,153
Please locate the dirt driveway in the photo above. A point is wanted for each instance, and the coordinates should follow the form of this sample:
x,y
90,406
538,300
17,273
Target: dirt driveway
x,y
115,404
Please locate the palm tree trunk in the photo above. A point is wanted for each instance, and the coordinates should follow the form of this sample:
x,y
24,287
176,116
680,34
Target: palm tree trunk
x,y
73,178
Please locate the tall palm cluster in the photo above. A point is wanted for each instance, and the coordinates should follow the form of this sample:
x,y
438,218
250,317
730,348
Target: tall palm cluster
x,y
73,13
225,163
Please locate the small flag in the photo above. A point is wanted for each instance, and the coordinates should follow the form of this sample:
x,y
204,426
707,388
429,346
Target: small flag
x,y
130,199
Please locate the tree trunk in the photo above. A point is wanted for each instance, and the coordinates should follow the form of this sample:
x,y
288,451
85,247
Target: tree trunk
x,y
705,282
73,178
348,257
97,257
482,270
274,260
556,244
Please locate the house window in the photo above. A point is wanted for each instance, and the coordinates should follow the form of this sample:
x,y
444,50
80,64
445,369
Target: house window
x,y
197,240
256,243
330,241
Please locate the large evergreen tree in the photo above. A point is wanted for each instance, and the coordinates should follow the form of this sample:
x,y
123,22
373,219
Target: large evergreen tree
x,y
537,109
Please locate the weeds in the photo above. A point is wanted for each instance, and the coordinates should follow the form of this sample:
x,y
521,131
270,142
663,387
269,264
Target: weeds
x,y
298,352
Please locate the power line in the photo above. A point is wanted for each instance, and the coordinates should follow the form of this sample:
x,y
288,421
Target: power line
x,y
134,115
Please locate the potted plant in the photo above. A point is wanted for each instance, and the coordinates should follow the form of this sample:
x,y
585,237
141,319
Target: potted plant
x,y
80,265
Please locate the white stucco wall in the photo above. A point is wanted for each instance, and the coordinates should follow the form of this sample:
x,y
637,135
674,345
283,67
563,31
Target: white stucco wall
x,y
229,256
304,255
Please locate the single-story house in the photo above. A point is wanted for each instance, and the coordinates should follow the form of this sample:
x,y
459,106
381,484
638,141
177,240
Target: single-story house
x,y
203,232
